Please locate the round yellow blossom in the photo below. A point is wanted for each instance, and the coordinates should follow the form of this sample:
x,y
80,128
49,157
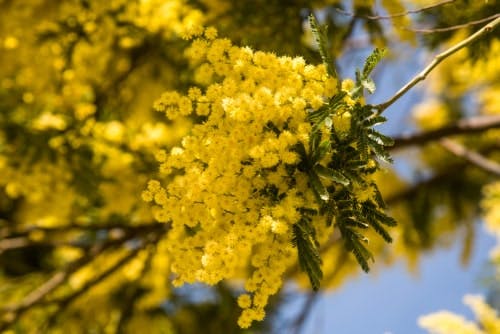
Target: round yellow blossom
x,y
244,301
147,196
445,322
10,42
347,85
342,122
114,131
28,97
192,30
210,33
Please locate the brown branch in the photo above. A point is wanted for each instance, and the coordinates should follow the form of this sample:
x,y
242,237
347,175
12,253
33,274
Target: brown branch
x,y
12,313
415,11
386,17
456,168
36,297
7,234
64,302
463,126
23,242
455,27
21,239
438,59
410,191
13,243
472,157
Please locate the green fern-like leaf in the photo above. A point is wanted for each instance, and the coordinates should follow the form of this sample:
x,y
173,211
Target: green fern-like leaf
x,y
372,121
372,61
377,218
307,247
380,138
354,243
378,196
319,189
321,37
363,80
320,151
317,116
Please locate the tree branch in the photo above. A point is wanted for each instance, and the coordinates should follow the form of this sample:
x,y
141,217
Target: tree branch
x,y
8,234
65,301
463,126
455,27
386,17
472,157
438,59
455,167
36,297
24,242
12,313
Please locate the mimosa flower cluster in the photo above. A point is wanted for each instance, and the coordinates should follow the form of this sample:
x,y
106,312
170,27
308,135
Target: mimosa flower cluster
x,y
234,189
445,322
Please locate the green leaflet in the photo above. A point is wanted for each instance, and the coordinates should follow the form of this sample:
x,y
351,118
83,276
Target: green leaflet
x,y
321,150
321,38
372,61
362,254
318,187
363,79
331,174
304,239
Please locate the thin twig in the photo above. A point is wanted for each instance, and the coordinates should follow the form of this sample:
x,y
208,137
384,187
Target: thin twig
x,y
23,242
6,233
13,243
463,126
387,17
438,59
455,27
471,156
